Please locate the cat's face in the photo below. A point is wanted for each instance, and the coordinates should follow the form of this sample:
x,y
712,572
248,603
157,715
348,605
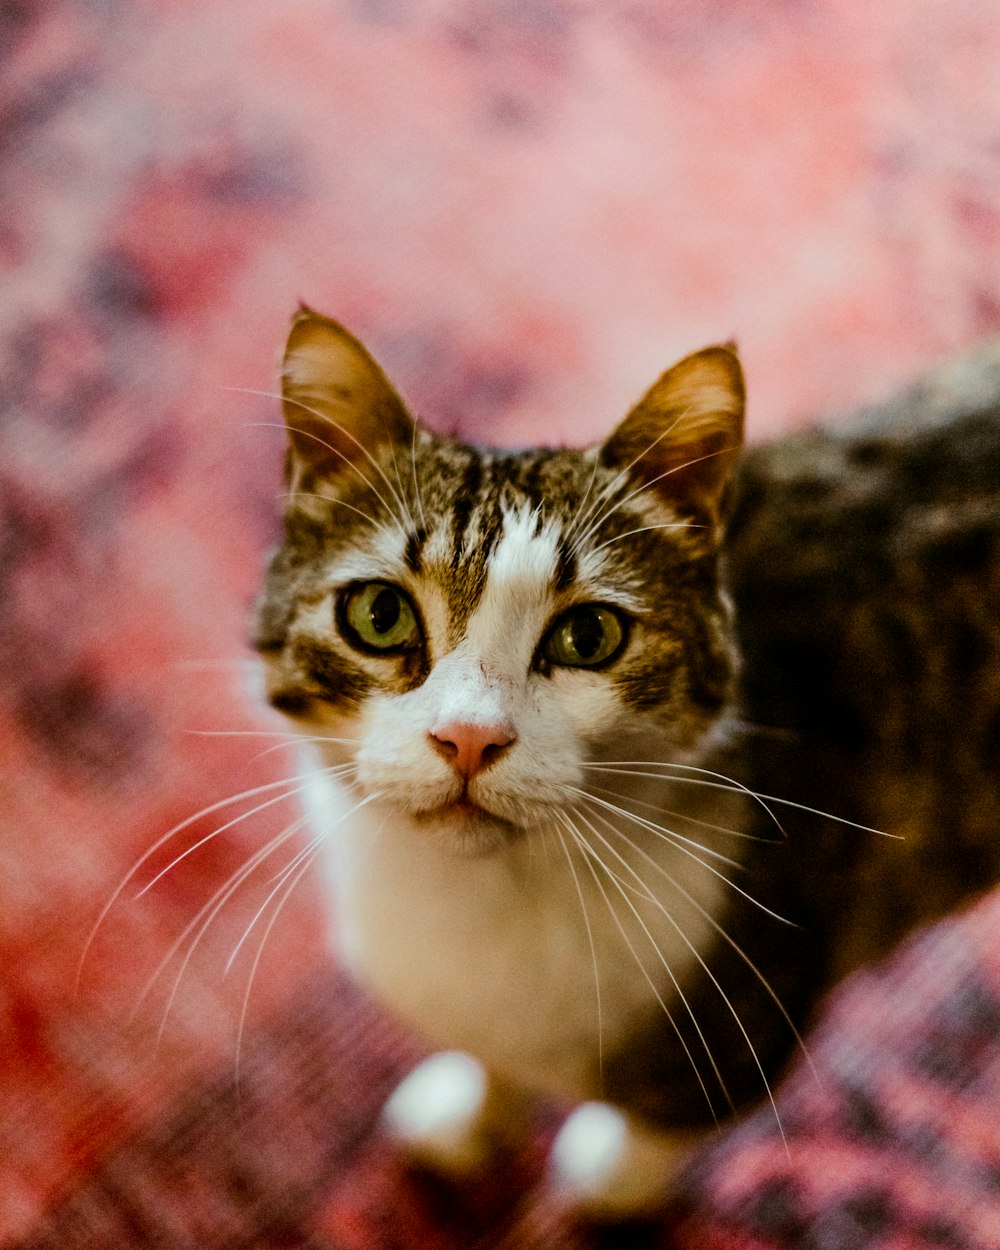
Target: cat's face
x,y
475,627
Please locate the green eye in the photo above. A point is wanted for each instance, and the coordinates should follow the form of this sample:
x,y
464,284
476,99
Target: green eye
x,y
584,637
378,617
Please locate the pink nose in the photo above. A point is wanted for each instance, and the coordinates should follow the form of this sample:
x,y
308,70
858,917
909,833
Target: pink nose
x,y
469,748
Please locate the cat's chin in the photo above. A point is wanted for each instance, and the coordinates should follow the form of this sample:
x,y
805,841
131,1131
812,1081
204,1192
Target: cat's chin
x,y
472,829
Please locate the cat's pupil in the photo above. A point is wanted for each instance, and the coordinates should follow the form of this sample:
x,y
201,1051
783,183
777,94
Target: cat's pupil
x,y
385,611
587,634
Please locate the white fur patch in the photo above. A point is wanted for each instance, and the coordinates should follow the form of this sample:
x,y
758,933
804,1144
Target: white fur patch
x,y
605,1164
435,1111
589,1148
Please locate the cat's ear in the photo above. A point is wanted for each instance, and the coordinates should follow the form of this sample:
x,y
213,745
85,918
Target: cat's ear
x,y
684,435
339,406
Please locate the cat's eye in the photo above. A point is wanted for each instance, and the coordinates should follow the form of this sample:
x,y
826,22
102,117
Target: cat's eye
x,y
378,617
585,636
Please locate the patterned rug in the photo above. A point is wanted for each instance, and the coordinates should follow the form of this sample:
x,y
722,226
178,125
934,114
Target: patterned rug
x,y
527,209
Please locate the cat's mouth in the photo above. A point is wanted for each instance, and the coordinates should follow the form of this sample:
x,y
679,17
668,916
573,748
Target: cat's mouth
x,y
464,809
470,822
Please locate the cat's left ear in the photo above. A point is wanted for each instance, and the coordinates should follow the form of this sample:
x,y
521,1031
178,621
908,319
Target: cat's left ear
x,y
339,406
685,434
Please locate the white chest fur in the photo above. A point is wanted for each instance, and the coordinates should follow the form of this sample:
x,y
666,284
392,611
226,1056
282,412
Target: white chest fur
x,y
527,958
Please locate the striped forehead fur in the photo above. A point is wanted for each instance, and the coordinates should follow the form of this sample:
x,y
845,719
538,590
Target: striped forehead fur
x,y
448,501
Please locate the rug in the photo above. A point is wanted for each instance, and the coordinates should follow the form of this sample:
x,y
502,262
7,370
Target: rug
x,y
528,209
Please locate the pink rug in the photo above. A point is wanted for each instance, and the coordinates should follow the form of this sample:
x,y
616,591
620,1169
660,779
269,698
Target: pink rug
x,y
528,209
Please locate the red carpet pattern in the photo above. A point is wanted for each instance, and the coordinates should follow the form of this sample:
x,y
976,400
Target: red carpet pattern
x,y
528,209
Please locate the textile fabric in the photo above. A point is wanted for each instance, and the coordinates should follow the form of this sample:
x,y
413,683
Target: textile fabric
x,y
527,209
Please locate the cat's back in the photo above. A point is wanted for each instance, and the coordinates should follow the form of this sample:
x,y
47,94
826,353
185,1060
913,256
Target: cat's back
x,y
865,563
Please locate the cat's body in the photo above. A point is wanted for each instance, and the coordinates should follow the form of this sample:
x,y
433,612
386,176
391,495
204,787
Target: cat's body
x,y
533,742
864,561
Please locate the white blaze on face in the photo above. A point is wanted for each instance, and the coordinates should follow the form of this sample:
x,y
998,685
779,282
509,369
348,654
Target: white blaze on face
x,y
504,629
487,679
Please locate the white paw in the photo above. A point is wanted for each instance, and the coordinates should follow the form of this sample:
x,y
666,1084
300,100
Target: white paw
x,y
437,1114
605,1164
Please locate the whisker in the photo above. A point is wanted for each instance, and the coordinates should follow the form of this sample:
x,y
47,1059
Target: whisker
x,y
677,468
304,858
621,479
645,529
694,820
684,850
222,829
245,1005
276,425
325,417
583,516
342,503
708,972
568,531
650,897
162,841
411,526
305,853
667,835
620,483
290,739
201,922
276,882
588,855
593,954
711,920
299,739
728,783
416,484
207,913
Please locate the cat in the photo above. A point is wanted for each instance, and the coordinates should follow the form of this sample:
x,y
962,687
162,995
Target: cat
x,y
573,720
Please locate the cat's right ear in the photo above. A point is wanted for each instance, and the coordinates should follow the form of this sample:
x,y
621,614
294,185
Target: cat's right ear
x,y
339,406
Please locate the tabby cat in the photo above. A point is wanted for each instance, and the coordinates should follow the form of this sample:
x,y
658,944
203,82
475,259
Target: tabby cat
x,y
574,718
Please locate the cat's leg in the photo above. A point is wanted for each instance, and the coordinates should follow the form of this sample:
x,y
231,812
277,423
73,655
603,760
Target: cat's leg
x,y
606,1164
451,1116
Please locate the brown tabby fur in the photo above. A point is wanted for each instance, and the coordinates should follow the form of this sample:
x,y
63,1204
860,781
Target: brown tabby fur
x,y
865,565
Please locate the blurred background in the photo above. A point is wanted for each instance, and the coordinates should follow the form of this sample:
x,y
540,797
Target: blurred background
x,y
527,209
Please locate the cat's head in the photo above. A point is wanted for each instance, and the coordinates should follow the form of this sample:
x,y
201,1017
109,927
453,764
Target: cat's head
x,y
474,627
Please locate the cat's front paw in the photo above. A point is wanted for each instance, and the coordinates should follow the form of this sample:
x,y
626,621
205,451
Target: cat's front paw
x,y
448,1115
607,1165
